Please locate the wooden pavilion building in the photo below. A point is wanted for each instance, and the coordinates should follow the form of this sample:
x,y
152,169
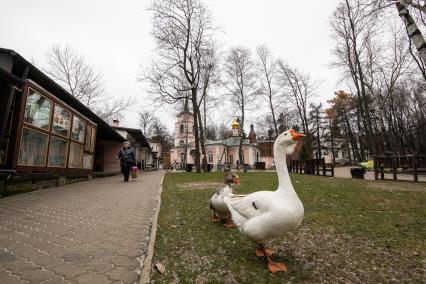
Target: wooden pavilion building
x,y
47,136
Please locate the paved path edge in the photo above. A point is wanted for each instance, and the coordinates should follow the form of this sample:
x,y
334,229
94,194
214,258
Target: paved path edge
x,y
145,276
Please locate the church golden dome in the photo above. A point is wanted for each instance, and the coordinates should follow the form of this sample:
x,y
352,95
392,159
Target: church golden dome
x,y
235,124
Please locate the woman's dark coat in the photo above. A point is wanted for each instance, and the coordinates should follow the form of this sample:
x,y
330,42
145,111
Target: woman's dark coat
x,y
127,157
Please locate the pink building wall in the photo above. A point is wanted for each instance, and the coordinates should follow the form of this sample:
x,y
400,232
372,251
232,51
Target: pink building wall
x,y
268,160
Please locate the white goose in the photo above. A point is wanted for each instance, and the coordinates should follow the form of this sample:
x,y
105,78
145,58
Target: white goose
x,y
265,215
217,203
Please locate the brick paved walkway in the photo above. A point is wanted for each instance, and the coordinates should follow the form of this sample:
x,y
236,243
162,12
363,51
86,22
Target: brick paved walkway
x,y
89,232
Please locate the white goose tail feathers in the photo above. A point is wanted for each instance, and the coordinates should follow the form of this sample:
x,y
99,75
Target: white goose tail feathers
x,y
238,219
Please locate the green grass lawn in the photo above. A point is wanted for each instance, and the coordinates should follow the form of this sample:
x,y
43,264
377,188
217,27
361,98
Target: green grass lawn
x,y
353,231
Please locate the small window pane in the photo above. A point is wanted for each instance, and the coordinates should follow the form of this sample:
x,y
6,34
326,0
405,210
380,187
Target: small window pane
x,y
37,110
76,154
88,137
77,133
58,152
33,148
61,121
87,161
92,141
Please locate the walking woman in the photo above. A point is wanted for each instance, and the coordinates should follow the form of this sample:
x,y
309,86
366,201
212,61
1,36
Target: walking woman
x,y
127,159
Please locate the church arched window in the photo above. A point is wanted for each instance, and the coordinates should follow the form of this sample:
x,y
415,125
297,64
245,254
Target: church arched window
x,y
181,143
182,128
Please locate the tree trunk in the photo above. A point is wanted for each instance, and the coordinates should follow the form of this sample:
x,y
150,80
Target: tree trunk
x,y
413,31
318,135
196,135
347,144
203,147
332,142
240,149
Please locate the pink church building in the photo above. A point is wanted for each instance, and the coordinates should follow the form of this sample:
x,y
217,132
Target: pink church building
x,y
218,152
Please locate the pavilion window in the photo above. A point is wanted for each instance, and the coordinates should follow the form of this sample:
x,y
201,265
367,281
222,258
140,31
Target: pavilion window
x,y
53,135
61,121
58,151
33,148
37,110
76,155
78,126
210,157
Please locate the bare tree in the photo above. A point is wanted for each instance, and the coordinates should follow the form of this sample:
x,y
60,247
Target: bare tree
x,y
146,119
71,71
183,32
240,85
354,24
267,72
298,89
208,78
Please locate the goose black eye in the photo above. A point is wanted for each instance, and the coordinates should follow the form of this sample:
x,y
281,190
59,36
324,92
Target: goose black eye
x,y
285,133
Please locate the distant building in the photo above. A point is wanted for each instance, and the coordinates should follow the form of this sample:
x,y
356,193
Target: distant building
x,y
154,159
218,152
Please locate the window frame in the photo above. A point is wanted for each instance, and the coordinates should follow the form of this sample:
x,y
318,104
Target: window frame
x,y
46,151
69,129
66,153
84,128
81,156
52,105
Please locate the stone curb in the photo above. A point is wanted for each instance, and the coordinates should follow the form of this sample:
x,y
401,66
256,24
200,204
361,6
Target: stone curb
x,y
145,277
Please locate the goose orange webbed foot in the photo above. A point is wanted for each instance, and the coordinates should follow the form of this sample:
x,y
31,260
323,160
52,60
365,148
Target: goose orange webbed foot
x,y
262,252
215,219
275,267
230,224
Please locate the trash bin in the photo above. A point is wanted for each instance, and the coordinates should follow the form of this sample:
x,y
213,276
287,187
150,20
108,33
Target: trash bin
x,y
357,173
246,167
188,168
259,165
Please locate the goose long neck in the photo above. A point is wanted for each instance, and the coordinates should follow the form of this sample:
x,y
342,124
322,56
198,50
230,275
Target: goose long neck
x,y
280,157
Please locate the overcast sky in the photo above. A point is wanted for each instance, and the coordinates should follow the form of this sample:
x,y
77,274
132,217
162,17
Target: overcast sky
x,y
114,37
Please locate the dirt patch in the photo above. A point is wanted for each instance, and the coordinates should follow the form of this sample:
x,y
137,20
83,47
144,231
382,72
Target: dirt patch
x,y
199,185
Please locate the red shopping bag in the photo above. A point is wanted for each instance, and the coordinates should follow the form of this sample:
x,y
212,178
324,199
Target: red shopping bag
x,y
134,172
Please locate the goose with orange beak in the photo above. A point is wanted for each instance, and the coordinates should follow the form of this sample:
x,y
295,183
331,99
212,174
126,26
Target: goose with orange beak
x,y
266,215
217,203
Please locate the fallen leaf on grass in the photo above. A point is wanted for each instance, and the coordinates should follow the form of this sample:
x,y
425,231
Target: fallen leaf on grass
x,y
161,268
